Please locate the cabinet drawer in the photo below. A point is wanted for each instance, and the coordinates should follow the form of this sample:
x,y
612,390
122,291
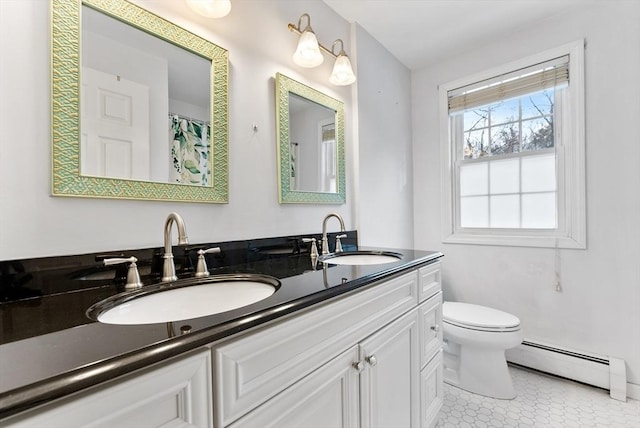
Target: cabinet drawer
x,y
429,282
256,366
431,392
170,395
430,316
328,397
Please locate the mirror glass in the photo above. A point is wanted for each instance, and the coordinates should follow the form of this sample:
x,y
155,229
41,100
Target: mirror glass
x,y
145,105
312,135
310,128
139,106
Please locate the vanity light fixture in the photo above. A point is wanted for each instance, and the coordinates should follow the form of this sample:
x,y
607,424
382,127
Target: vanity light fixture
x,y
342,73
210,8
308,54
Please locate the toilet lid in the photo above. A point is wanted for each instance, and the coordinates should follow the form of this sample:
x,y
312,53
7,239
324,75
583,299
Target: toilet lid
x,y
478,317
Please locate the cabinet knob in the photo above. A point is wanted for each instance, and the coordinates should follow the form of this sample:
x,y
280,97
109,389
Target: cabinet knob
x,y
372,360
358,365
435,328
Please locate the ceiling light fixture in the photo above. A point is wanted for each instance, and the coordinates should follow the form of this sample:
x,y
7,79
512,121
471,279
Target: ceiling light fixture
x,y
309,54
210,8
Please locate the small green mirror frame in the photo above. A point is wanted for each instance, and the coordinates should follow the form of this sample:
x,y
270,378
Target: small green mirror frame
x,y
65,77
284,87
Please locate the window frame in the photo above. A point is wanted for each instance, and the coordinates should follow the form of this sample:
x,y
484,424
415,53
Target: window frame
x,y
570,164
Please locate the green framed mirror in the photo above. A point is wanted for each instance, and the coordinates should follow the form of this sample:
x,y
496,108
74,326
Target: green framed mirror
x,y
180,153
310,144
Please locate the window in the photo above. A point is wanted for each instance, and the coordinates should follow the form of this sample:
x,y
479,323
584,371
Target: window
x,y
327,177
514,142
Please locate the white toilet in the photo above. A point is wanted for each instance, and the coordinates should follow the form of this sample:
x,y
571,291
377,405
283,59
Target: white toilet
x,y
475,338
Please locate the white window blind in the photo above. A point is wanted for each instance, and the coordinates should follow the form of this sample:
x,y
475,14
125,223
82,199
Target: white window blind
x,y
550,74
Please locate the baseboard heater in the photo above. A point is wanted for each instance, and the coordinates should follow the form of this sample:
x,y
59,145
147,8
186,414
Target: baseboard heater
x,y
601,371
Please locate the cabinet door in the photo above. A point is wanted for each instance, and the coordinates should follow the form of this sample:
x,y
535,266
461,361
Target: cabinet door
x,y
389,384
430,316
173,395
328,397
432,392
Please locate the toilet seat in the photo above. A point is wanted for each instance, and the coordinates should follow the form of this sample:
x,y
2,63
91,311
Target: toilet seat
x,y
475,317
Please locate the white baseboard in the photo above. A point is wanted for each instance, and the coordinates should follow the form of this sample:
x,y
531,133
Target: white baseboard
x,y
633,391
601,371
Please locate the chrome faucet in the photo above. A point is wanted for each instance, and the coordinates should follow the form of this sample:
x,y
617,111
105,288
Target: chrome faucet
x,y
168,267
325,243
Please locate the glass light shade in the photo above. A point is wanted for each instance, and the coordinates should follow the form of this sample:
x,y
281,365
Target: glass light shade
x,y
210,8
342,73
308,52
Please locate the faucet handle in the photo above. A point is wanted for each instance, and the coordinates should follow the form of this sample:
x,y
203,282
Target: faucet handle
x,y
338,243
314,247
133,276
202,271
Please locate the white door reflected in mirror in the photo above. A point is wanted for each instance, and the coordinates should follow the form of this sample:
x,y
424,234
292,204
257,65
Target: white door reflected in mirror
x,y
113,143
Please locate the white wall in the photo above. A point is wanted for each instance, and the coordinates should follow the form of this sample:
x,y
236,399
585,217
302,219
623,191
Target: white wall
x,y
34,224
385,182
598,308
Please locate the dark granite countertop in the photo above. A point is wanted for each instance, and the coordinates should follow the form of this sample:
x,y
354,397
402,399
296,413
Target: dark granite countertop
x,y
50,348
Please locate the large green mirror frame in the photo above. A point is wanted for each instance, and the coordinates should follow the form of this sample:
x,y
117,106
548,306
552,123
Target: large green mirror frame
x,y
70,175
310,139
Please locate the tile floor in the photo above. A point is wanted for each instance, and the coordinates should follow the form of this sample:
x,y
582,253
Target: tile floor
x,y
543,402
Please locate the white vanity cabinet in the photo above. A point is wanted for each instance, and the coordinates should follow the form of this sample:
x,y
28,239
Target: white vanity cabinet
x,y
359,361
173,394
369,358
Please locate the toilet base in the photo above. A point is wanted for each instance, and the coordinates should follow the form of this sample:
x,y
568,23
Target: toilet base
x,y
478,370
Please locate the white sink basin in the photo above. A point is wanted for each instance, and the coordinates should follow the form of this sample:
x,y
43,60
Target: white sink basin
x,y
174,302
360,258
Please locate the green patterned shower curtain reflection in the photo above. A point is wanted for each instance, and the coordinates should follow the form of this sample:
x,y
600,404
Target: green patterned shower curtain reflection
x,y
190,160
